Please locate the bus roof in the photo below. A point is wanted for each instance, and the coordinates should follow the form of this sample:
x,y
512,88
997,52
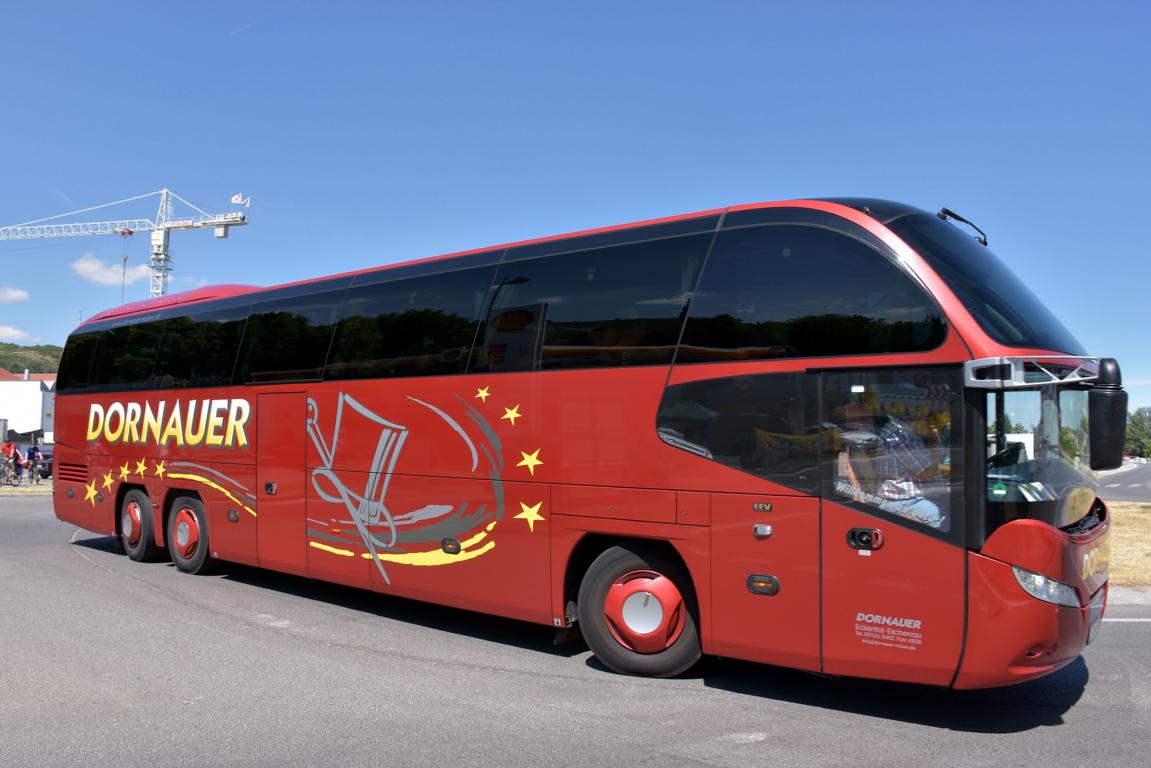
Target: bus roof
x,y
211,292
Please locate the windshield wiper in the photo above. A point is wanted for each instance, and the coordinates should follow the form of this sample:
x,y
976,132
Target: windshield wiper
x,y
946,213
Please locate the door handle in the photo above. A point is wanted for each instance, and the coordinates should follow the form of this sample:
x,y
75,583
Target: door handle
x,y
865,539
271,488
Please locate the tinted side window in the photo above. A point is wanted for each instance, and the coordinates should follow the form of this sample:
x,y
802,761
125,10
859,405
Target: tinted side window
x,y
200,350
796,291
423,326
621,305
76,361
124,357
767,425
287,339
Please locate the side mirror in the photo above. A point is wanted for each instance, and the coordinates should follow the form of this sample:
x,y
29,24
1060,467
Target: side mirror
x,y
1107,417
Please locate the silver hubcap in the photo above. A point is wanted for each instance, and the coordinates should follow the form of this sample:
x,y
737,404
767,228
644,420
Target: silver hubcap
x,y
642,613
182,534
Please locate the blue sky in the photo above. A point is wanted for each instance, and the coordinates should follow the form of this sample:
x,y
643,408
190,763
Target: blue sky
x,y
367,133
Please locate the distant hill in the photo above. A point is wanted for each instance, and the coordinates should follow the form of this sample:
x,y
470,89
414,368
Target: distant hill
x,y
41,358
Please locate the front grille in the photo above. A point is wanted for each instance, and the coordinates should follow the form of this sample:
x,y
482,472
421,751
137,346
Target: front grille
x,y
1088,522
77,473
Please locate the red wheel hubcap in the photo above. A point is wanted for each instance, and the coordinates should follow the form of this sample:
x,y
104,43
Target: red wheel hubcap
x,y
644,611
130,523
187,530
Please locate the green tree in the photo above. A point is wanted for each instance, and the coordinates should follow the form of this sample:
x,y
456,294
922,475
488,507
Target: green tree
x,y
1139,432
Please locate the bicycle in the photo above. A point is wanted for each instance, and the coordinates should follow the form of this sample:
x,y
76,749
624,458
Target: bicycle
x,y
8,475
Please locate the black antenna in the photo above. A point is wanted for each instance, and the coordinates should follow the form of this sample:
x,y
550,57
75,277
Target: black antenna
x,y
946,213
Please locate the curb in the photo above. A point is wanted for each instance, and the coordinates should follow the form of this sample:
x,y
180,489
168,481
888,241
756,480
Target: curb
x,y
1129,596
42,489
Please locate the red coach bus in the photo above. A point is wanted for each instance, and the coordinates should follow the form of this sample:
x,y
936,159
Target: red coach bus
x,y
834,435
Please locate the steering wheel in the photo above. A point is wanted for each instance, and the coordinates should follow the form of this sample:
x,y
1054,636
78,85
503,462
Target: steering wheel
x,y
1009,455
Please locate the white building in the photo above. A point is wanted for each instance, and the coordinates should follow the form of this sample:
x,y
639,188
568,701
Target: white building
x,y
27,402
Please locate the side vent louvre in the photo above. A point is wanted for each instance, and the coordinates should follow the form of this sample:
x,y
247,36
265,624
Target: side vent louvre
x,y
76,473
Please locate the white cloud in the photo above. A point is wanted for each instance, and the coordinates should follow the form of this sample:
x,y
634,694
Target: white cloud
x,y
95,271
8,333
8,293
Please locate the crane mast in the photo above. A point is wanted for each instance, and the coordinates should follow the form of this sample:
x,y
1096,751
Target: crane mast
x,y
165,222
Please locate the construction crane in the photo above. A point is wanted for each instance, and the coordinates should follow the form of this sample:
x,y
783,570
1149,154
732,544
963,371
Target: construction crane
x,y
164,224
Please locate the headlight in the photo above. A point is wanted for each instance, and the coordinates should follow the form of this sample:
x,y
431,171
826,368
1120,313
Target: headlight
x,y
1046,589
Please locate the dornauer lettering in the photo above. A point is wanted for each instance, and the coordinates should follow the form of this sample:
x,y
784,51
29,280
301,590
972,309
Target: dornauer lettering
x,y
183,424
1097,559
890,621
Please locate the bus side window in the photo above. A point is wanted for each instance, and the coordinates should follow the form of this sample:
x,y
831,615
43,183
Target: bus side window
x,y
287,339
200,350
785,290
76,361
764,424
420,326
611,306
125,357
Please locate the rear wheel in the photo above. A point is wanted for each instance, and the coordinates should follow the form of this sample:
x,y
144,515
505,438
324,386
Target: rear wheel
x,y
637,613
188,536
136,534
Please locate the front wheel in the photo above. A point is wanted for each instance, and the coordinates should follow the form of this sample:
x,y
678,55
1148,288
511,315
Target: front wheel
x,y
637,613
188,536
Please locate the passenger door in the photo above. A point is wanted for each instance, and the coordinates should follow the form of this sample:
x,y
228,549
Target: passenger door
x,y
280,481
894,583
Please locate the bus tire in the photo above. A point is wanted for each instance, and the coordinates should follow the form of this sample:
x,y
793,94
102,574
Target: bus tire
x,y
136,534
637,613
188,535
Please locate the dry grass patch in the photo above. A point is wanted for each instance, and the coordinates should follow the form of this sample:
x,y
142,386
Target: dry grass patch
x,y
1130,544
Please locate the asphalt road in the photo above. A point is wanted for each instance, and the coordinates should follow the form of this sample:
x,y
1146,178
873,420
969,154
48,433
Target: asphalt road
x,y
108,662
1131,482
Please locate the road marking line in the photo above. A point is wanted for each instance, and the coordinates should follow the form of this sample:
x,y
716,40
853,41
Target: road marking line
x,y
1135,485
1113,485
1131,621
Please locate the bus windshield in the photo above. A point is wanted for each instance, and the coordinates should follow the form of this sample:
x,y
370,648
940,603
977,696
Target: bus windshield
x,y
1002,304
1038,461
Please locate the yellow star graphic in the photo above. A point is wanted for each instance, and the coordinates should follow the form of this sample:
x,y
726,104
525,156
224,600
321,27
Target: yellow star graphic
x,y
141,467
511,414
124,471
531,461
90,492
483,394
107,480
160,469
531,514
